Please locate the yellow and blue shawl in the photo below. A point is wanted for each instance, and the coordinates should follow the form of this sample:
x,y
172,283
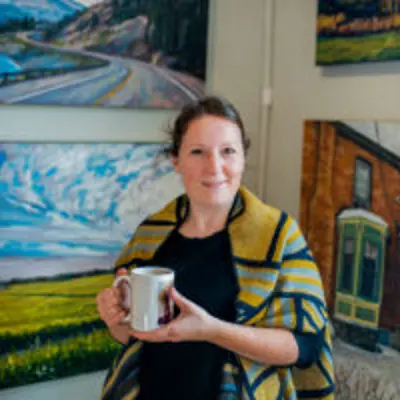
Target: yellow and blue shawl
x,y
280,287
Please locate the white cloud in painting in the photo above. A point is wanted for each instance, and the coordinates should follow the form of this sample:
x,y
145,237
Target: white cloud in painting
x,y
82,199
89,3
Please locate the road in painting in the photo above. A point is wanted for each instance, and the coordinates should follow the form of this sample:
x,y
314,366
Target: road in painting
x,y
65,212
117,53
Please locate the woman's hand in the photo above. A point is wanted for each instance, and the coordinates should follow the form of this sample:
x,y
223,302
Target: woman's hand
x,y
192,324
109,305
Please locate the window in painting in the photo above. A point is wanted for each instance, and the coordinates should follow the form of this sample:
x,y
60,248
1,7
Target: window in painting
x,y
346,283
370,271
362,183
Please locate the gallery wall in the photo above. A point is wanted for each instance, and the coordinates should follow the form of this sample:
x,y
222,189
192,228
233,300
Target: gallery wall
x,y
303,91
238,67
235,69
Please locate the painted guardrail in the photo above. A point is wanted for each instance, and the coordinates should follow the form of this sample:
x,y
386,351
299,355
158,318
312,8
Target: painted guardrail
x,y
9,78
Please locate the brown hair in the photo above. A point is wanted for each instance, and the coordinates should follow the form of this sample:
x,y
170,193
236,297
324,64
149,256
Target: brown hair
x,y
210,105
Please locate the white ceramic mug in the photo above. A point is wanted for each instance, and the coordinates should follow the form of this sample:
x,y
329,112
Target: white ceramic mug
x,y
147,298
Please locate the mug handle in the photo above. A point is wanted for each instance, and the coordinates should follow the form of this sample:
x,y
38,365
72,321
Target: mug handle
x,y
116,283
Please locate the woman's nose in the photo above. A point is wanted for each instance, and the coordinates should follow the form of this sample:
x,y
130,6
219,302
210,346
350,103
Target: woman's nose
x,y
214,162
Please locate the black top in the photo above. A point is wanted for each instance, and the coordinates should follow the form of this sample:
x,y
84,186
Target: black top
x,y
205,275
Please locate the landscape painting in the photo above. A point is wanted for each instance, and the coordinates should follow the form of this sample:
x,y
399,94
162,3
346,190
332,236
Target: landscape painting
x,y
350,215
66,210
357,31
110,53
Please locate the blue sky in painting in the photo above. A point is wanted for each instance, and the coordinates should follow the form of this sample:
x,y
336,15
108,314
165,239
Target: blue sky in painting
x,y
78,199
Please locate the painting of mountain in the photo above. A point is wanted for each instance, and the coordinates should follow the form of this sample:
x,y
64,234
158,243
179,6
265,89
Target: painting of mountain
x,y
111,53
66,210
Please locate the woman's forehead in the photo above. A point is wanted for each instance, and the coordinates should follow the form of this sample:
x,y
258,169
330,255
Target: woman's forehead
x,y
212,128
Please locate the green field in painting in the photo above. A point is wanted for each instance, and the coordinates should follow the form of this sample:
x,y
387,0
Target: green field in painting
x,y
377,47
52,329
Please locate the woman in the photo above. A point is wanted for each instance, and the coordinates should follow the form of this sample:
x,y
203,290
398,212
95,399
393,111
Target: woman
x,y
252,321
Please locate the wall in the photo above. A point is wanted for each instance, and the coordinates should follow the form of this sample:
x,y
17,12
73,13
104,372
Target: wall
x,y
235,70
300,91
85,387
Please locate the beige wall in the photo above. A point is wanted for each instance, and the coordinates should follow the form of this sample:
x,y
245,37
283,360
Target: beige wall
x,y
302,91
237,68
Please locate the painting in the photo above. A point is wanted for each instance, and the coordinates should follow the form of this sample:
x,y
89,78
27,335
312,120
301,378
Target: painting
x,y
107,53
66,210
350,215
357,31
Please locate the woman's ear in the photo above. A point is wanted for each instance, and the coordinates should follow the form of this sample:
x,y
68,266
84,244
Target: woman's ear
x,y
175,163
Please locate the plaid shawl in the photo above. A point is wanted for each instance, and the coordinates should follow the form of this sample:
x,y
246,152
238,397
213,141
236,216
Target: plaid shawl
x,y
280,287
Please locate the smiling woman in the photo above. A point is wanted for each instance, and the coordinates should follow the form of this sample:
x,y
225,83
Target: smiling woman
x,y
210,161
251,319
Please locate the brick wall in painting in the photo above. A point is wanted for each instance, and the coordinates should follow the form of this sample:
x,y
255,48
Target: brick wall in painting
x,y
329,159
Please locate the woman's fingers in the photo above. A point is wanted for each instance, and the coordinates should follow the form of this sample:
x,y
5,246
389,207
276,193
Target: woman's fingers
x,y
182,302
108,306
192,324
157,335
115,316
122,271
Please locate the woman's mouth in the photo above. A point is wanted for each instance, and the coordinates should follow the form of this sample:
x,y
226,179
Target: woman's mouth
x,y
214,185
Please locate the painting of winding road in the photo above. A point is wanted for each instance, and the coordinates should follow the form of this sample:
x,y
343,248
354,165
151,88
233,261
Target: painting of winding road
x,y
110,53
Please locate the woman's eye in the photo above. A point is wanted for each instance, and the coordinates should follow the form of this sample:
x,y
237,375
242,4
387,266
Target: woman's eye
x,y
196,151
229,150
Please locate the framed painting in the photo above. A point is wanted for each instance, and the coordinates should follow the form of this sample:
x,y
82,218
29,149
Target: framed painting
x,y
350,214
357,31
66,210
109,53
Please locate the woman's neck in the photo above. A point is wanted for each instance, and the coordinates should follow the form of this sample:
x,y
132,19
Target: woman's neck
x,y
201,223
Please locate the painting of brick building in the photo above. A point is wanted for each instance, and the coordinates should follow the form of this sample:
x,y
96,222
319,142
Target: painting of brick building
x,y
350,215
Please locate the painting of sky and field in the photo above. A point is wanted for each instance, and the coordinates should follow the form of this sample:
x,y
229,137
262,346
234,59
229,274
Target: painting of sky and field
x,y
357,31
111,53
65,212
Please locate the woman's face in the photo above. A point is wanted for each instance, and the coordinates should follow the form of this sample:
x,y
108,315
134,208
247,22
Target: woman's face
x,y
211,161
